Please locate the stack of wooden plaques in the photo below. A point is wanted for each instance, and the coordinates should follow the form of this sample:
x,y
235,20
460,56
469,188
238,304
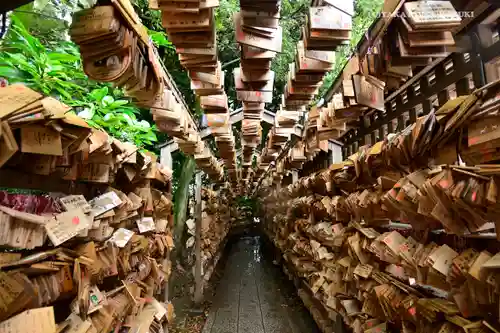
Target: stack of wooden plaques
x,y
126,58
130,60
57,261
171,116
314,57
370,276
306,74
360,93
390,232
191,143
190,27
420,32
304,78
215,225
260,36
225,143
425,31
328,24
54,141
254,90
217,115
207,162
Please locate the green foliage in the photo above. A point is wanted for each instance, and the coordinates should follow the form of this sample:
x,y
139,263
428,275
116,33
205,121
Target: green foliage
x,y
246,203
366,11
160,39
54,69
49,20
116,116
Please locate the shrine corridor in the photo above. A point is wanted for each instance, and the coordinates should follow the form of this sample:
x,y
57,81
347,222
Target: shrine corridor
x,y
254,296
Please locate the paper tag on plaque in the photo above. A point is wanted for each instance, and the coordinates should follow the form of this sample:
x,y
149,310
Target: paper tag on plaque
x,y
104,203
146,224
74,202
67,225
121,237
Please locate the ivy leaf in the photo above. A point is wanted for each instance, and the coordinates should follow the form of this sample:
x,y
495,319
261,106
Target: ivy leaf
x,y
111,120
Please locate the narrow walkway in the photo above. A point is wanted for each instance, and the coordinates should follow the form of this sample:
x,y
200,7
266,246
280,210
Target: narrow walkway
x,y
253,296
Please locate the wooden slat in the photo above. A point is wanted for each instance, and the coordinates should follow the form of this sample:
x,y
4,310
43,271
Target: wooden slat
x,y
426,92
474,66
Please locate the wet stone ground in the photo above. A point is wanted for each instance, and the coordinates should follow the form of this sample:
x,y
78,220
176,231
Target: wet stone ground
x,y
253,295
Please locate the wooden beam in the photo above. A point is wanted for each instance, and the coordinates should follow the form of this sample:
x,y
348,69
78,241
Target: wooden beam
x,y
268,117
52,183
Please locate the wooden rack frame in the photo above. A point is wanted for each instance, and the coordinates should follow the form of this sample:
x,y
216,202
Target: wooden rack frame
x,y
436,83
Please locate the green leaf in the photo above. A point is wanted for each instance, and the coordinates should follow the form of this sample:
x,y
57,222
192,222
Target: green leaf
x,y
63,92
87,3
107,100
100,122
150,136
40,4
63,57
10,73
21,33
93,123
128,112
126,118
118,103
98,94
160,39
143,126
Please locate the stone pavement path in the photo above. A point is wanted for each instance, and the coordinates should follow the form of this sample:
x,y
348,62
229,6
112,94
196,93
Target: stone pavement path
x,y
251,296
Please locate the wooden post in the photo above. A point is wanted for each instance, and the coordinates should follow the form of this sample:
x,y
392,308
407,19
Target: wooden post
x,y
295,176
166,157
198,293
